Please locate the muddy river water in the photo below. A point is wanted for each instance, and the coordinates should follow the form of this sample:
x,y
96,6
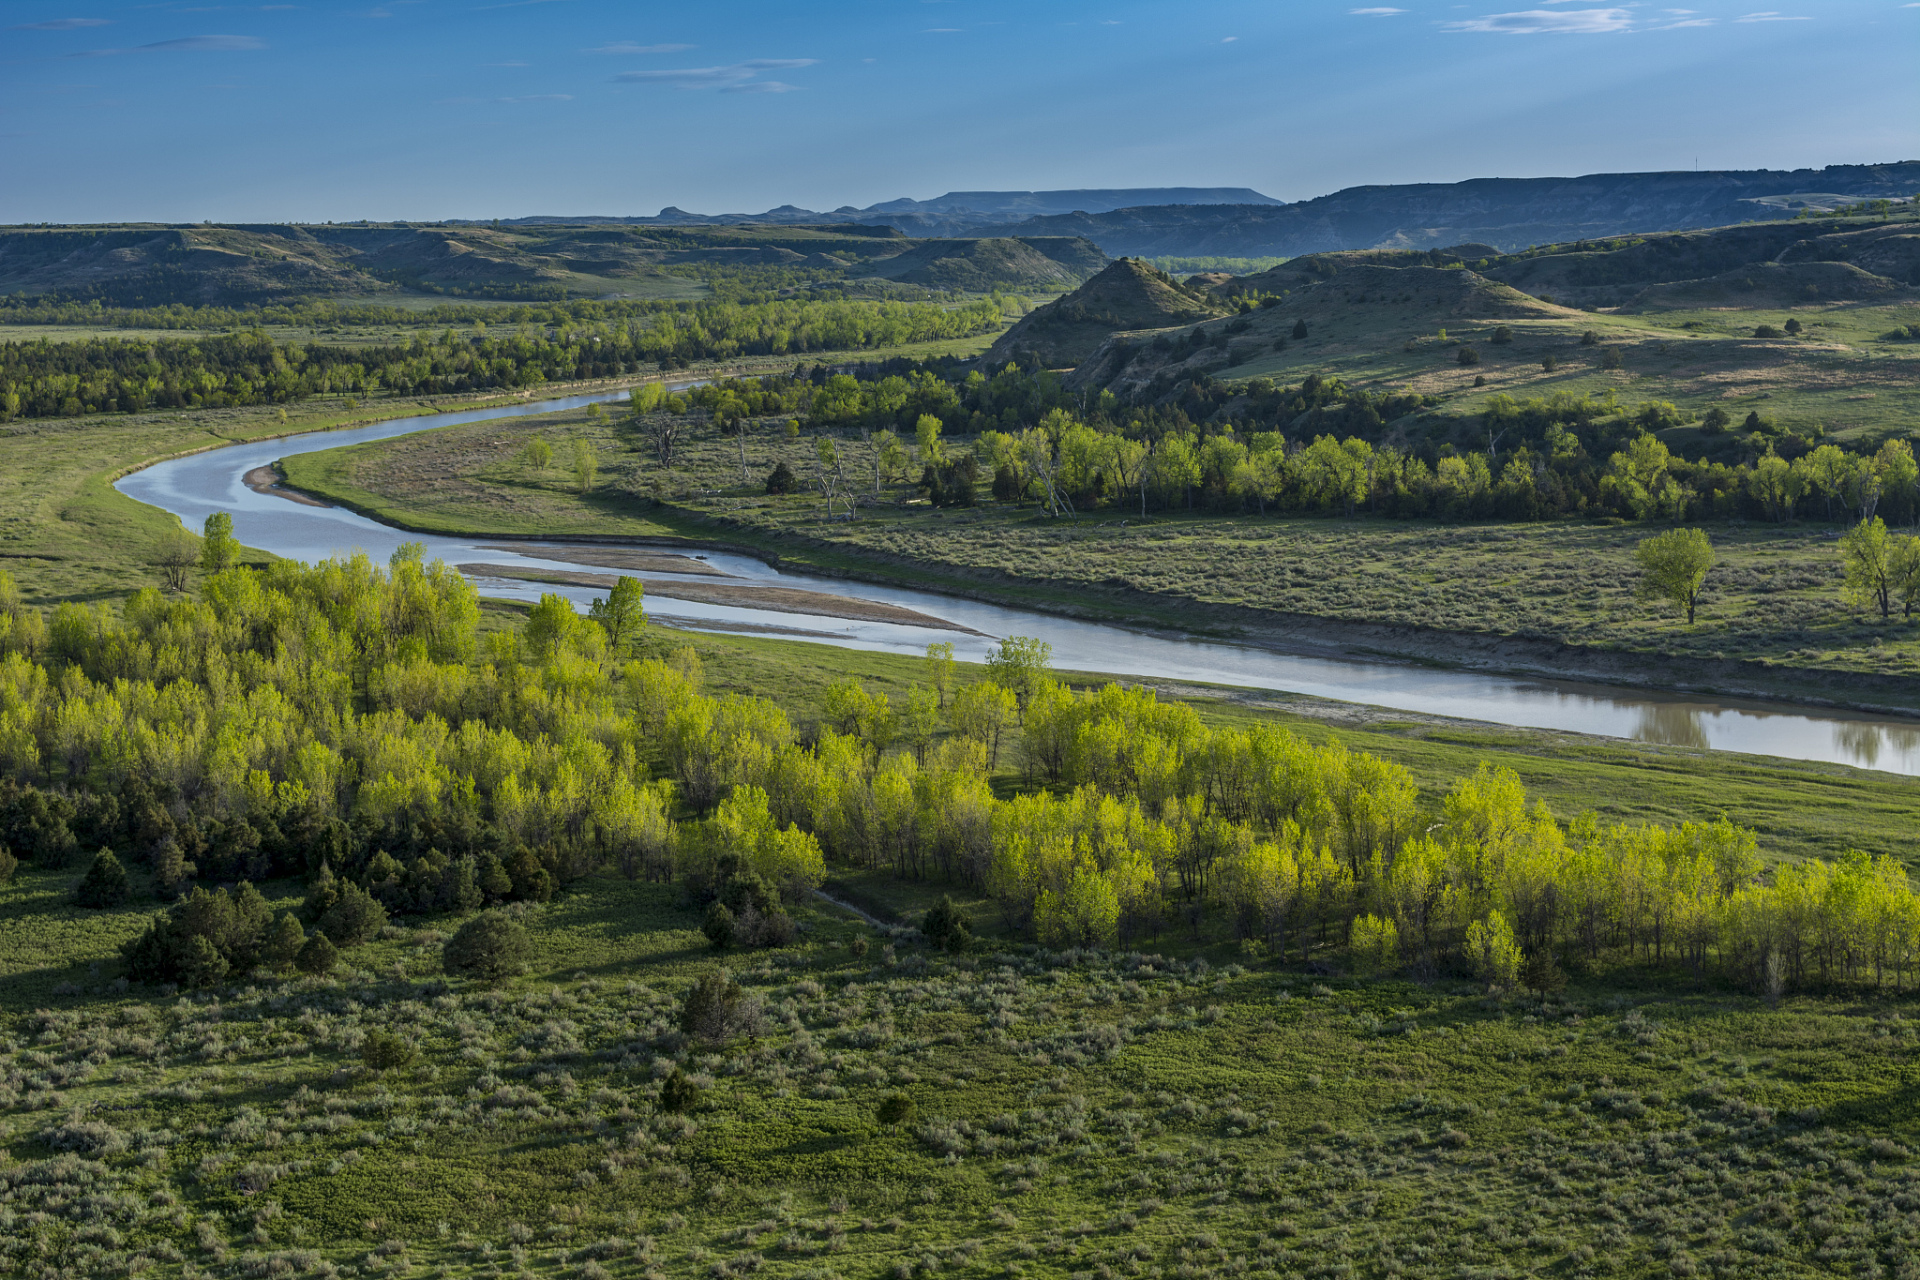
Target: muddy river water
x,y
193,487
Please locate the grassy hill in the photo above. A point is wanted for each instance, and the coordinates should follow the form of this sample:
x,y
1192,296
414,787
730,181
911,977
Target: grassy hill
x,y
155,265
1696,318
245,265
1130,294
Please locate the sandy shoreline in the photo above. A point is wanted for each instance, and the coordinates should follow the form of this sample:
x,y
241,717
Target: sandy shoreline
x,y
616,558
736,595
269,481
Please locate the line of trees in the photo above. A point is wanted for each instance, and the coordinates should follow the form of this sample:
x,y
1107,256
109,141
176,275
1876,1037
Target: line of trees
x,y
739,284
46,378
1323,447
348,722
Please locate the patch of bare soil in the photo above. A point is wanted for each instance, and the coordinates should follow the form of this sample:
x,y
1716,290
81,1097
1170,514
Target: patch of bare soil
x,y
618,558
741,596
267,480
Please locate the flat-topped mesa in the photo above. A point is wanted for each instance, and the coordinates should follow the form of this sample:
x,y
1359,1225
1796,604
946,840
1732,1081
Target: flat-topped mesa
x,y
1130,294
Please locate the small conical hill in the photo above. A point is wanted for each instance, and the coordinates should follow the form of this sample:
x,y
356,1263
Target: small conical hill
x,y
1128,295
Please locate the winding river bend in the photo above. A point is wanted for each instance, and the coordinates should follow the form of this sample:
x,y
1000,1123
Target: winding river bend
x,y
194,487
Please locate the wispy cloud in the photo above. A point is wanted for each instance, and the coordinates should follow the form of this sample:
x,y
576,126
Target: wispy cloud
x,y
630,47
1229,39
186,44
63,24
1771,16
734,77
761,86
1380,11
539,97
1529,22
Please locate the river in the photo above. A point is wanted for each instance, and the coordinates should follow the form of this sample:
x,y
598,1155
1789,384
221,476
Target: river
x,y
196,486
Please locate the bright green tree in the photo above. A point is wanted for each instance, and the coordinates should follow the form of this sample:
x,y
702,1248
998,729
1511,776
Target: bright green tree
x,y
926,434
1492,951
1867,554
586,464
621,613
1905,565
1674,565
218,546
940,669
1020,663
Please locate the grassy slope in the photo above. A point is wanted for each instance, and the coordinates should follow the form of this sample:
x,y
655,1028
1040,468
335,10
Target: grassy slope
x,y
1250,1120
1246,1119
1836,375
1773,604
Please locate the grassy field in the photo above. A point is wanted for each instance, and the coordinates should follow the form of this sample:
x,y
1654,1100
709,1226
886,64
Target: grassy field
x,y
1181,1108
1134,1114
1836,375
1772,619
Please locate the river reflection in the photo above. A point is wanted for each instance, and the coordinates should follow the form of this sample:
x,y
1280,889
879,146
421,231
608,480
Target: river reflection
x,y
194,487
1864,744
1672,725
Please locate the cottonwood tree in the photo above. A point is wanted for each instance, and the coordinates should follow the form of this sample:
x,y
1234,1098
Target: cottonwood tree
x,y
586,465
621,612
1043,464
217,543
537,454
1020,663
940,669
1906,573
1867,554
1776,486
982,712
926,435
175,555
1674,566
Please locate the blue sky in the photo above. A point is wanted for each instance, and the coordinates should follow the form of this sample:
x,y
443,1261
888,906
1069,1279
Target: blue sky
x,y
454,108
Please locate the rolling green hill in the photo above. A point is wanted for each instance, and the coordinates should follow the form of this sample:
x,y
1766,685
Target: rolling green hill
x,y
251,265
